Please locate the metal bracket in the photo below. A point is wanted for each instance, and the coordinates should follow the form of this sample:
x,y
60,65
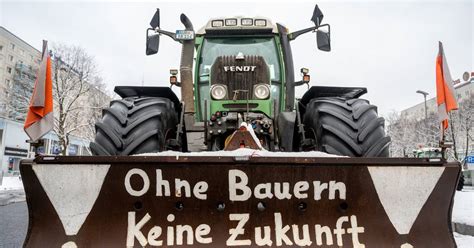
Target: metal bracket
x,y
444,146
176,144
305,144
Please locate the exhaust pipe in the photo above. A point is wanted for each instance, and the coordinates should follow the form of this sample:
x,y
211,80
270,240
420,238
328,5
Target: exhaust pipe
x,y
186,68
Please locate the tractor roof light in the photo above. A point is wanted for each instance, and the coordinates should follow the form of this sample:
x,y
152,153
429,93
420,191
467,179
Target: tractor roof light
x,y
260,22
231,22
218,91
217,23
246,21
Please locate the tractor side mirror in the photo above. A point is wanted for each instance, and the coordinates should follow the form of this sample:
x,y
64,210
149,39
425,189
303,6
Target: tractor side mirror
x,y
323,38
152,43
153,40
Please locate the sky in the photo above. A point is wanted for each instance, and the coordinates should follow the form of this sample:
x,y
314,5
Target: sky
x,y
389,47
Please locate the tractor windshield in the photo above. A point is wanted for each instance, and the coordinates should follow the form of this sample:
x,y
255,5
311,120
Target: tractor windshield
x,y
261,46
264,47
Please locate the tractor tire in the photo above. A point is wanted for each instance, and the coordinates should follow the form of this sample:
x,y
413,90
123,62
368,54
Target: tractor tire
x,y
346,127
134,126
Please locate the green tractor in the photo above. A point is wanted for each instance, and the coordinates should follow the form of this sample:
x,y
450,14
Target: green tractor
x,y
243,73
241,94
428,152
437,153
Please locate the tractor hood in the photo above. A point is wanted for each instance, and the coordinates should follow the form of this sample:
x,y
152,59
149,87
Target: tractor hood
x,y
240,74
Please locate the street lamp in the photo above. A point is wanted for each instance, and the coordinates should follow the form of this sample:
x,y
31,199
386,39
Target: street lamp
x,y
424,95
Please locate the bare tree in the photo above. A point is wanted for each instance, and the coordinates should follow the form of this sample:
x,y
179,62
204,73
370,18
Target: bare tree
x,y
467,124
401,132
18,92
409,134
462,122
74,75
94,102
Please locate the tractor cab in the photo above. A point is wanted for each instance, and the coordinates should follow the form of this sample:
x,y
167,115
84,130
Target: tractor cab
x,y
239,70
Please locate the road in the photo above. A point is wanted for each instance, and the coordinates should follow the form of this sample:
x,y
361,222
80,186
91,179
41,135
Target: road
x,y
14,222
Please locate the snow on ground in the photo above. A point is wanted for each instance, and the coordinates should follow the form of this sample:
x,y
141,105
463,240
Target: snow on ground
x,y
11,196
463,209
11,183
11,190
242,152
464,241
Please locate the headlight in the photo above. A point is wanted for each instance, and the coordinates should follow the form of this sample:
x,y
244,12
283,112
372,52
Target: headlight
x,y
261,91
218,91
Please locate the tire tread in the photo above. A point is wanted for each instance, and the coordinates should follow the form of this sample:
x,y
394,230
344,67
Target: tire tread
x,y
347,127
134,125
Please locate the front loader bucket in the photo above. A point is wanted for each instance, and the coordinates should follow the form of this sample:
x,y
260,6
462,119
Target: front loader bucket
x,y
235,200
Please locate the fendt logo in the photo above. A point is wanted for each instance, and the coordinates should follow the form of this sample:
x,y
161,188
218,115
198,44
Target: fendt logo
x,y
245,68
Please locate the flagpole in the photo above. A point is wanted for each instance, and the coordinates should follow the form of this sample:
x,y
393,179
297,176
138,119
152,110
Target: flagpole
x,y
34,145
39,118
442,142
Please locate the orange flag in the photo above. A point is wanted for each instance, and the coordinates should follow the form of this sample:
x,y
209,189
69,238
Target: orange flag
x,y
39,119
445,94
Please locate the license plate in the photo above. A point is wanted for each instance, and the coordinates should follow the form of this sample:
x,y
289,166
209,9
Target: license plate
x,y
184,35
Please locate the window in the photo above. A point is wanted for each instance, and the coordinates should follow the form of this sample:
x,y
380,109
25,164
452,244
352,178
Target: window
x,y
9,70
31,57
12,46
22,52
1,48
264,47
73,150
7,81
10,58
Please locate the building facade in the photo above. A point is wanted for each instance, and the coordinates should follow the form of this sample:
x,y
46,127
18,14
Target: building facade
x,y
13,146
19,63
464,116
464,90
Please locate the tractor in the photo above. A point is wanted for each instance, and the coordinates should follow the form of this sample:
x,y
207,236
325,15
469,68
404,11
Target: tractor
x,y
238,160
243,72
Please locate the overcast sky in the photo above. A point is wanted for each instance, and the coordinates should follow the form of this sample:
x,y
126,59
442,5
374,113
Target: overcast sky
x,y
388,47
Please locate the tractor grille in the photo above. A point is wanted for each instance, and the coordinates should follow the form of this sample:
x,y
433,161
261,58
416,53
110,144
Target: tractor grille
x,y
240,75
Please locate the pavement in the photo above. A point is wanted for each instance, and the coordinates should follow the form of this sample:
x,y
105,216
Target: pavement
x,y
14,223
463,211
